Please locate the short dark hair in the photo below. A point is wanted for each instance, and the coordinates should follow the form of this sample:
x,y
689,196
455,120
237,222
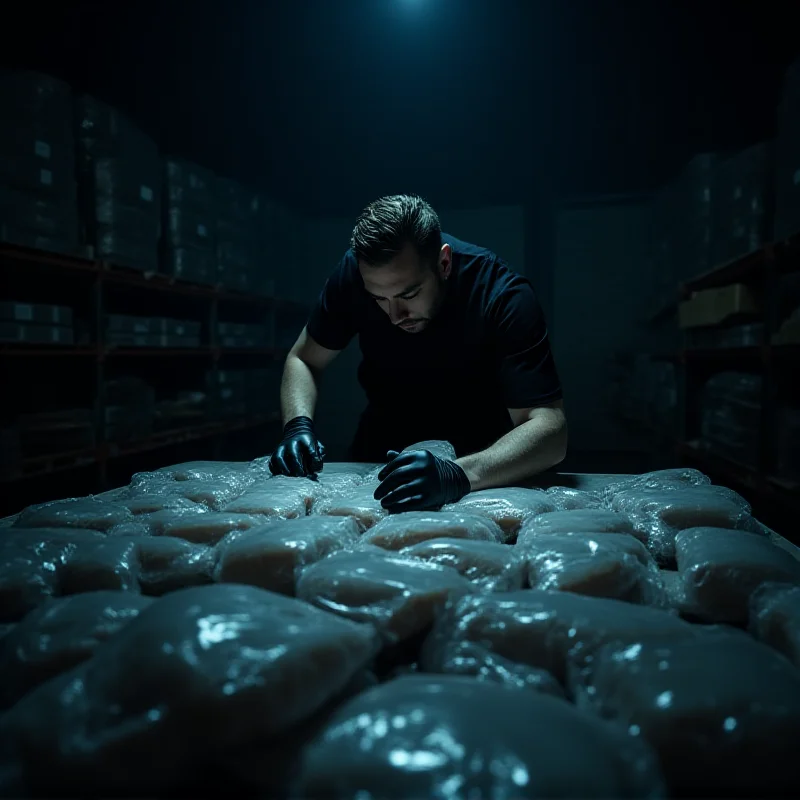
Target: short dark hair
x,y
387,225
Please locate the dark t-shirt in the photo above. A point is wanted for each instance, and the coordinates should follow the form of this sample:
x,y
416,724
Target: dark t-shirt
x,y
485,351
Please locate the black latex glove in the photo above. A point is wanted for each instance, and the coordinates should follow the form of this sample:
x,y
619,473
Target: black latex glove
x,y
418,480
300,453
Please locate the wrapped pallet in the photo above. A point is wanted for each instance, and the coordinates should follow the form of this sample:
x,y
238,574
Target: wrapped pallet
x,y
120,186
787,157
189,240
681,220
38,196
237,213
731,416
742,203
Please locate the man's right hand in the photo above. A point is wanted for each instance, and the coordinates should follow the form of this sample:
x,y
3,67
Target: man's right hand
x,y
300,454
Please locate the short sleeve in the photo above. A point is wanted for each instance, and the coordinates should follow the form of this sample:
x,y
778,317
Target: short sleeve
x,y
527,370
332,322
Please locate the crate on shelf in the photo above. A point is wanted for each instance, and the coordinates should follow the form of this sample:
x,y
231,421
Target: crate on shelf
x,y
119,186
242,335
742,208
190,222
681,225
731,416
124,330
38,191
787,157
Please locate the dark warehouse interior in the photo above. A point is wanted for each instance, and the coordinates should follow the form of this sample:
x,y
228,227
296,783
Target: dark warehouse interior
x,y
590,402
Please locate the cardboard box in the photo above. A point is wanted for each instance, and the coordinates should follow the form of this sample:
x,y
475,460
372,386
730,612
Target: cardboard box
x,y
713,306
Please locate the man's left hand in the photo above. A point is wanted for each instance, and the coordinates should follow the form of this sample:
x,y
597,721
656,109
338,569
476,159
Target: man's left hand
x,y
418,480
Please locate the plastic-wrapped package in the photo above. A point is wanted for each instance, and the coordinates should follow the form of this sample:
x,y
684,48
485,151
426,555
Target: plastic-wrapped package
x,y
215,495
78,512
269,768
158,521
662,479
475,661
110,565
611,565
492,566
139,527
450,736
543,629
411,527
673,589
358,503
775,618
149,504
721,710
398,595
720,570
30,564
336,483
208,471
58,635
438,447
271,556
588,520
277,497
167,564
508,507
196,675
568,499
209,528
665,512
153,565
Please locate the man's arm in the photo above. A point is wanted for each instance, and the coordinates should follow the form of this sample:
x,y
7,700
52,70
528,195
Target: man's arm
x,y
538,442
301,377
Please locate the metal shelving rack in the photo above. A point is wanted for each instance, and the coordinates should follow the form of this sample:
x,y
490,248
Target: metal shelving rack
x,y
761,269
98,277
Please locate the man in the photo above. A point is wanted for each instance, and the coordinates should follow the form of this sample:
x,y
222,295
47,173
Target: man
x,y
454,347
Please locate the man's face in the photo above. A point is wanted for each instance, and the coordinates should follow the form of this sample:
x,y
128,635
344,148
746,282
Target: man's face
x,y
409,292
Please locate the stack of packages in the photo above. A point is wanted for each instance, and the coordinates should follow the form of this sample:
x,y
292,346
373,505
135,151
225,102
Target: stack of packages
x,y
120,187
36,323
681,223
237,214
227,393
127,331
189,240
787,157
129,410
38,194
731,416
623,636
742,203
237,334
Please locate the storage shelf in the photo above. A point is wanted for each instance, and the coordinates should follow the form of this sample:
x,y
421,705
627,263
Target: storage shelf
x,y
784,353
770,488
37,350
60,462
17,349
113,274
751,267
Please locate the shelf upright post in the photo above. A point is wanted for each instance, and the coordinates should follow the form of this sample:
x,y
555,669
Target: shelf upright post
x,y
98,334
212,387
769,388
